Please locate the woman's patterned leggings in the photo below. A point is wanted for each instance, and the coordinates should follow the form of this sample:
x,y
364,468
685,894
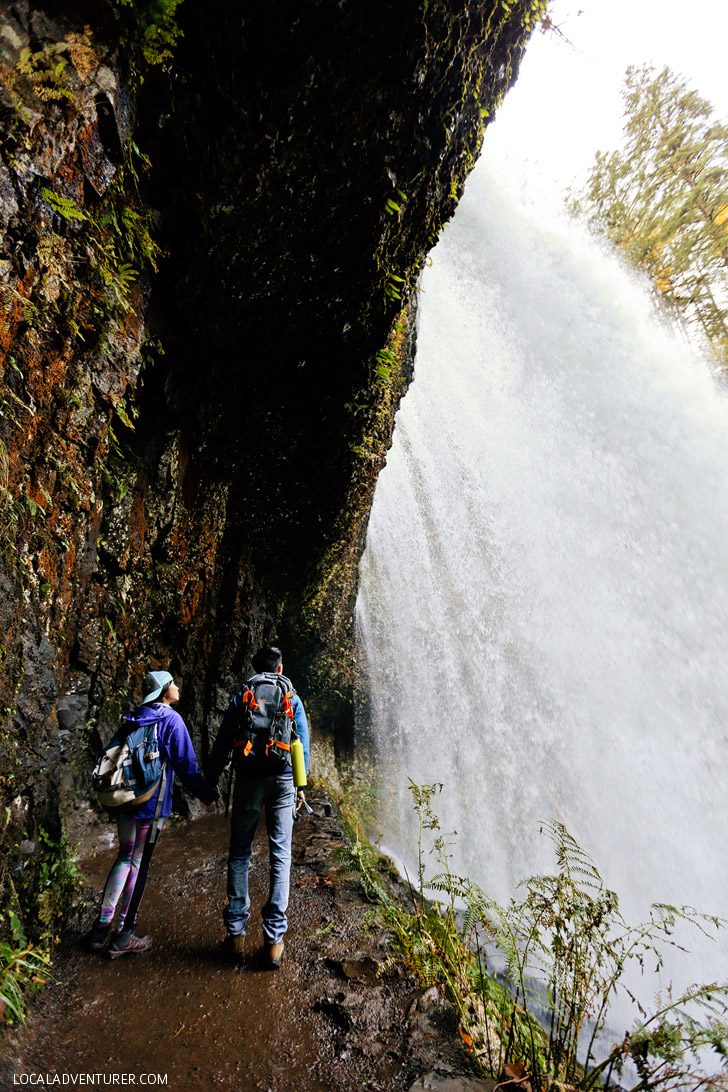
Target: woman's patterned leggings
x,y
132,836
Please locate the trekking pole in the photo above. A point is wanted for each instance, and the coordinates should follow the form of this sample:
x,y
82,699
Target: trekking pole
x,y
229,789
299,804
151,841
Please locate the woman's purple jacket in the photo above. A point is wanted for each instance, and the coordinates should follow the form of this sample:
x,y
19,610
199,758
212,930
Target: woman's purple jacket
x,y
177,751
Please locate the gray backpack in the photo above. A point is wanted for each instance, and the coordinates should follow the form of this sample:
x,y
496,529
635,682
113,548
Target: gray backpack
x,y
129,768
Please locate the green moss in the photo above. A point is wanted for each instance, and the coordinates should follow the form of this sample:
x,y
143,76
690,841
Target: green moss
x,y
50,888
352,809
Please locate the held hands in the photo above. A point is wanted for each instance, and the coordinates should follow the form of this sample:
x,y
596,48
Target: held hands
x,y
211,796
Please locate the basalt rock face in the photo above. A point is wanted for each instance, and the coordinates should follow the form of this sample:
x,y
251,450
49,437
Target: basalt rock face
x,y
188,453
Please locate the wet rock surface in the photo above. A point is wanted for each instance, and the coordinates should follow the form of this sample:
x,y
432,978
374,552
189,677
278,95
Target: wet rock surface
x,y
207,291
337,1016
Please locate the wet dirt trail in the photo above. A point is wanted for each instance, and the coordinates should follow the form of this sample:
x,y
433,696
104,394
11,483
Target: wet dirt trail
x,y
324,1022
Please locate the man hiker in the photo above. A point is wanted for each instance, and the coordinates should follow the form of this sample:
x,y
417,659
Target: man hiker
x,y
258,727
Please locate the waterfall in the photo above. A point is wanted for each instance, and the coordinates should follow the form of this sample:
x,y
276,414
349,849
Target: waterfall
x,y
543,606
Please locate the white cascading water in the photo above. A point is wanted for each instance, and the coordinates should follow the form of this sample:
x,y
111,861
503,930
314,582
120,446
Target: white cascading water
x,y
544,592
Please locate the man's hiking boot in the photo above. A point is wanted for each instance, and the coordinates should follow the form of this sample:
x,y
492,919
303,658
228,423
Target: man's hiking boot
x,y
97,936
273,954
232,947
128,944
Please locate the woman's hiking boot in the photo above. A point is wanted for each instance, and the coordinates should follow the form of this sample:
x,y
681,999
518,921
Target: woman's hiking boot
x,y
97,936
273,955
232,947
127,943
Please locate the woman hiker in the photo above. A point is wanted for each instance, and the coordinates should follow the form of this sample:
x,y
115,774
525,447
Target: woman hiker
x,y
128,874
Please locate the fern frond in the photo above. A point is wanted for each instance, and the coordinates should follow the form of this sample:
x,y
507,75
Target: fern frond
x,y
570,857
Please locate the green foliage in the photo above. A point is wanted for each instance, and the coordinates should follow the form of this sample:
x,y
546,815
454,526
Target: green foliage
x,y
21,970
21,514
112,239
51,886
45,70
386,367
324,931
33,909
363,858
564,946
123,413
389,361
394,286
392,207
662,200
66,207
148,28
116,244
4,467
120,245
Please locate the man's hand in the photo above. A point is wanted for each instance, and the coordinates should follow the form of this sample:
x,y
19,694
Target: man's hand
x,y
300,799
213,796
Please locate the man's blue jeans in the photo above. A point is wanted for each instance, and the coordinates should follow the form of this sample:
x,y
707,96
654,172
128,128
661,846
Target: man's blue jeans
x,y
278,796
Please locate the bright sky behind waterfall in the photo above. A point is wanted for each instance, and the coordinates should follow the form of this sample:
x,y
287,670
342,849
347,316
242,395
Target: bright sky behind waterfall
x,y
567,104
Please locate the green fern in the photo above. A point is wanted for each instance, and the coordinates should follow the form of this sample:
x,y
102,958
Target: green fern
x,y
563,944
149,27
64,206
570,857
45,70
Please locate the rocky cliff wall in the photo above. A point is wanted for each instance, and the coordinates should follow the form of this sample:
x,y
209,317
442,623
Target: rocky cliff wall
x,y
213,217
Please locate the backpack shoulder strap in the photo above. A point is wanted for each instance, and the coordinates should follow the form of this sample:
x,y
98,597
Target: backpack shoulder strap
x,y
155,737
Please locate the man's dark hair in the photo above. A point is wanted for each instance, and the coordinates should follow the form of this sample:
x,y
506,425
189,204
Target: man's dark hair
x,y
267,659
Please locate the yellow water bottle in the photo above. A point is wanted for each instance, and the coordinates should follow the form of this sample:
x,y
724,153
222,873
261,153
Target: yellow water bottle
x,y
299,764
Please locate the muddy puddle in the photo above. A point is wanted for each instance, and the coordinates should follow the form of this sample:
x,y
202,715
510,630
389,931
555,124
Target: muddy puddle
x,y
182,1018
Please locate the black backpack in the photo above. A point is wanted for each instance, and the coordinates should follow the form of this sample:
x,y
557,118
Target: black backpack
x,y
264,726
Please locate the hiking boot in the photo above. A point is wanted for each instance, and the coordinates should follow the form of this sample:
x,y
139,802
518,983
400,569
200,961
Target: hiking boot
x,y
128,944
97,936
273,954
232,947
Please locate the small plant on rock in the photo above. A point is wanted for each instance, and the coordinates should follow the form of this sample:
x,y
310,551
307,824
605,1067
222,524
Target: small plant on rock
x,y
22,970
